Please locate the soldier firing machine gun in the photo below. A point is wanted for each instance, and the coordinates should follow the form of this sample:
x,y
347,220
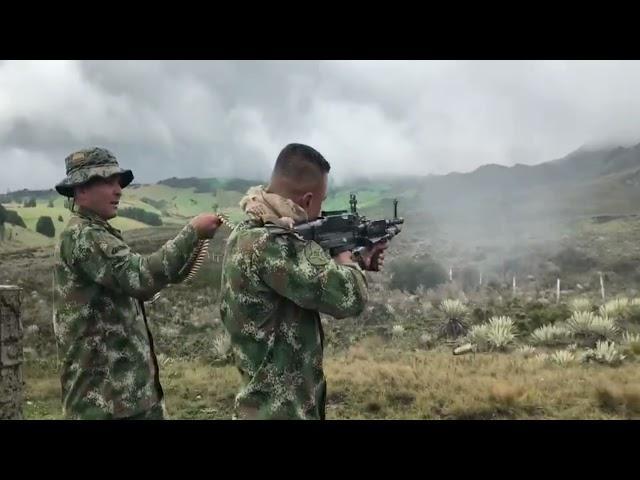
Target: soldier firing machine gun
x,y
336,231
340,230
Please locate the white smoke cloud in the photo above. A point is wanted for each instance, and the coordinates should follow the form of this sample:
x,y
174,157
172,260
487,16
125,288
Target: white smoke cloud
x,y
221,118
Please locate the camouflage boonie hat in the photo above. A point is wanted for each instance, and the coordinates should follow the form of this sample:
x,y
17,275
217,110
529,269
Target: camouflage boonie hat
x,y
83,165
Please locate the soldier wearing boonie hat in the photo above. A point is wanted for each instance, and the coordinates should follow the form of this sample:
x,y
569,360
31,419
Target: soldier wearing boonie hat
x,y
109,368
87,164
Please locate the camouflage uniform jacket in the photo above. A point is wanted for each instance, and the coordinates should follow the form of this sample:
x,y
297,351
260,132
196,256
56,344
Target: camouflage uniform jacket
x,y
108,366
274,284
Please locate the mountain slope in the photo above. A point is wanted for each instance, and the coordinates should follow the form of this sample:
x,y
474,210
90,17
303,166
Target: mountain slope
x,y
494,200
583,183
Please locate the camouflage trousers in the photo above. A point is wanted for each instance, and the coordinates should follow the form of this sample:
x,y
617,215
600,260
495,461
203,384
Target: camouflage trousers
x,y
157,412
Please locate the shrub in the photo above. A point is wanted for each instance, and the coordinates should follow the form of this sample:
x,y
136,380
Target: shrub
x,y
615,308
46,227
562,357
397,330
586,324
550,335
605,352
453,308
479,336
572,260
425,340
222,345
13,218
454,325
497,334
408,274
538,314
527,351
159,204
501,332
141,215
631,342
580,304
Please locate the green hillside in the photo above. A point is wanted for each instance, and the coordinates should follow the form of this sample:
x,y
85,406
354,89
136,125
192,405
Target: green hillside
x,y
368,197
180,204
18,238
490,202
174,205
30,215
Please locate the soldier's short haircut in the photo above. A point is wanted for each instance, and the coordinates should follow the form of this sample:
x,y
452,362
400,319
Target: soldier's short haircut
x,y
301,162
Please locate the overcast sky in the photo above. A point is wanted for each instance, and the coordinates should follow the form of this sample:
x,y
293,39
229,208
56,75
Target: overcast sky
x,y
224,118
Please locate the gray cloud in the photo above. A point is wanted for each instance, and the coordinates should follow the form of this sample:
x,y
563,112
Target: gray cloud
x,y
223,118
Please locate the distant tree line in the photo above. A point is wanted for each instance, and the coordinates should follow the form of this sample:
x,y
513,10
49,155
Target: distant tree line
x,y
141,215
20,195
200,185
159,204
239,185
211,185
410,273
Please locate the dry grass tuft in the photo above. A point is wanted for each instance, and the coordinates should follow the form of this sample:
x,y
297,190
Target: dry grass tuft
x,y
507,395
619,399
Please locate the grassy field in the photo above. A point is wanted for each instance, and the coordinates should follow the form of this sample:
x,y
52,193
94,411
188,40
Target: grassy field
x,y
181,205
369,197
182,202
368,376
23,238
385,377
370,381
31,216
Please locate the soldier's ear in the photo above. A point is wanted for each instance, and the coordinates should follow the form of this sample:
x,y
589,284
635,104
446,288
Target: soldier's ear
x,y
306,200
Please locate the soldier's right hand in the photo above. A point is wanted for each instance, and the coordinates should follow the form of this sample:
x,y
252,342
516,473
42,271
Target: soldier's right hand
x,y
372,258
206,224
344,257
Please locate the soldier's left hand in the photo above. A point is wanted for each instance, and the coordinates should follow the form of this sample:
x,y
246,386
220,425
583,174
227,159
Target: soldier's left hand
x,y
206,225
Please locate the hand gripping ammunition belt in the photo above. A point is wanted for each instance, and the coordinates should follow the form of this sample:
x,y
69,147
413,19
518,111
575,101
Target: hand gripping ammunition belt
x,y
199,255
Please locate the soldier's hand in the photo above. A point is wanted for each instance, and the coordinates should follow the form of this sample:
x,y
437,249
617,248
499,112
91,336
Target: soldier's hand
x,y
372,258
206,224
344,257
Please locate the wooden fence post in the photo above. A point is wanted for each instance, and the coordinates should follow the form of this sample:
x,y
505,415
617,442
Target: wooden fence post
x,y
11,356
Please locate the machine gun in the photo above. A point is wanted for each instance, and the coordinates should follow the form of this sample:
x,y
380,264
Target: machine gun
x,y
340,230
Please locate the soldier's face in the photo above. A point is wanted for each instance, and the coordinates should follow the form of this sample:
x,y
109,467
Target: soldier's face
x,y
312,201
101,196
